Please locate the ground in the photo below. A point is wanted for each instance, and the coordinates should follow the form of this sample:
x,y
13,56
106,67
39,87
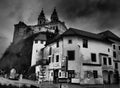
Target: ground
x,y
51,85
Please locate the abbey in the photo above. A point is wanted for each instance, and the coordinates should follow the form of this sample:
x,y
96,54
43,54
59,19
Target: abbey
x,y
62,54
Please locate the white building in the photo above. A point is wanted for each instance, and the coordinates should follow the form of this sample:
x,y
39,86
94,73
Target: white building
x,y
80,57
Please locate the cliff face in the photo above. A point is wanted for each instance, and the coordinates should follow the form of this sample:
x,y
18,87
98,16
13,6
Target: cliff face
x,y
18,56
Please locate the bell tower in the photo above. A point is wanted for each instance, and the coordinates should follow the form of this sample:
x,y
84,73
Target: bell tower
x,y
54,16
41,18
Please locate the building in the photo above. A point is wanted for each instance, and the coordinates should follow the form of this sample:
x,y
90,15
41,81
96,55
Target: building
x,y
71,55
82,57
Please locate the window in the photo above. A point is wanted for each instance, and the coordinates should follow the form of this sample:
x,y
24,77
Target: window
x,y
51,73
85,43
50,51
36,41
71,55
69,41
57,58
95,73
108,50
119,47
53,58
57,45
116,65
59,74
110,61
114,54
104,61
93,57
42,41
49,59
113,46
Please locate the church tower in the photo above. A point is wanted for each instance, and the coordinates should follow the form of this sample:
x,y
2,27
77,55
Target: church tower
x,y
54,16
41,18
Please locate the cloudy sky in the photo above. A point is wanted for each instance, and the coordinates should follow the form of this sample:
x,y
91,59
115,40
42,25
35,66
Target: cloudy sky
x,y
90,15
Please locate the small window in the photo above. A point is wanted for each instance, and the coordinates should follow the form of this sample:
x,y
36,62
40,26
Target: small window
x,y
85,43
110,61
57,44
51,73
49,59
50,51
104,61
42,42
114,54
59,74
71,55
93,57
53,58
116,65
36,41
95,73
57,58
113,46
69,41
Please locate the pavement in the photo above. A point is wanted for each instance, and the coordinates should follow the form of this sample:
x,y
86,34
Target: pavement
x,y
51,85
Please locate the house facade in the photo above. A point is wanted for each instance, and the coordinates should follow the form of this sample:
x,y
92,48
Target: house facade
x,y
80,57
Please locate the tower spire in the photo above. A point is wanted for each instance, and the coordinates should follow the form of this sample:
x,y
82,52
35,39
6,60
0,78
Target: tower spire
x,y
54,16
41,18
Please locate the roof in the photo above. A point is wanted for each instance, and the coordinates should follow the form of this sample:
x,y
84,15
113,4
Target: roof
x,y
103,36
108,34
41,36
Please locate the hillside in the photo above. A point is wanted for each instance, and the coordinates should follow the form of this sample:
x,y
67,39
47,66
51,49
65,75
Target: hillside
x,y
18,56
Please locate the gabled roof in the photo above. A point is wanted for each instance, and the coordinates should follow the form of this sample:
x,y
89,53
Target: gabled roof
x,y
109,35
78,32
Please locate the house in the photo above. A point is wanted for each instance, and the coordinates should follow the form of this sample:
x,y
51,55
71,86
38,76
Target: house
x,y
78,56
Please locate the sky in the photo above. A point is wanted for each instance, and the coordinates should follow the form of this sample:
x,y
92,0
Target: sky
x,y
89,15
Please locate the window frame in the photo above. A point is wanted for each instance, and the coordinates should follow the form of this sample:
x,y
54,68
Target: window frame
x,y
71,56
92,59
85,43
69,41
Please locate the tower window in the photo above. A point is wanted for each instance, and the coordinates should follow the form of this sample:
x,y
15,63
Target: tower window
x,y
93,57
85,43
95,73
42,41
57,58
71,55
104,61
114,54
110,61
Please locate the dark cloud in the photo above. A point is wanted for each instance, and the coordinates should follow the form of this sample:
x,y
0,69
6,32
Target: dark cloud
x,y
82,14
